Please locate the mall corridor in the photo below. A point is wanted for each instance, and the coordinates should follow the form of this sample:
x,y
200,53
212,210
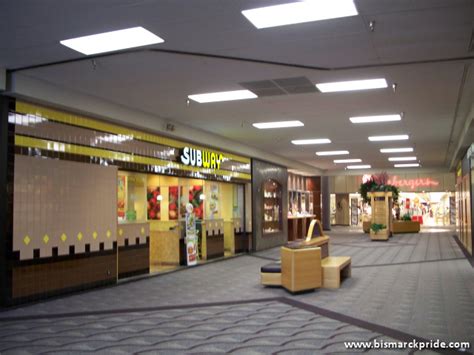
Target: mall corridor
x,y
415,286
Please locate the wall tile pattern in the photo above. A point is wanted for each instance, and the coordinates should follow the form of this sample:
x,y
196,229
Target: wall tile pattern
x,y
63,204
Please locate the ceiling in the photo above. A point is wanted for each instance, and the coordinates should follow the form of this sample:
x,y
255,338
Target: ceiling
x,y
428,40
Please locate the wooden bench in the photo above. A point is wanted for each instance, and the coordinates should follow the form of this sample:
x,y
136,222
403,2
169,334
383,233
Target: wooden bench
x,y
331,268
301,269
335,269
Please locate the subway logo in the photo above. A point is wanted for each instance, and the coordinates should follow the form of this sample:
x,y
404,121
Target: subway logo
x,y
201,158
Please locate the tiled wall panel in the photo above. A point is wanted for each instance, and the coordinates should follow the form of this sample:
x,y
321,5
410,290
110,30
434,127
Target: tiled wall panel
x,y
64,205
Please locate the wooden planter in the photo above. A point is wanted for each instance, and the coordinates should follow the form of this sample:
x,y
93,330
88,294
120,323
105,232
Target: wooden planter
x,y
381,203
406,227
382,234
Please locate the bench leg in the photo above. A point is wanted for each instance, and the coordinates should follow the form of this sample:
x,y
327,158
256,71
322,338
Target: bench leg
x,y
331,277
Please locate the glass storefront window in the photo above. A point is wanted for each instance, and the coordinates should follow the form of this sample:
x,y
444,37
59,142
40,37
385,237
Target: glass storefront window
x,y
131,197
272,207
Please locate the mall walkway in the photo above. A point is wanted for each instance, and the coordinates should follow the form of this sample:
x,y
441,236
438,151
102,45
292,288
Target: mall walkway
x,y
414,286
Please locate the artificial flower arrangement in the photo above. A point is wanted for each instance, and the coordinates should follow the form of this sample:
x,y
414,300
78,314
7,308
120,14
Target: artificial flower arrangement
x,y
378,183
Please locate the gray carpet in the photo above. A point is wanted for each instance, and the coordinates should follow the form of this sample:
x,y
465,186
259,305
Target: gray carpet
x,y
419,284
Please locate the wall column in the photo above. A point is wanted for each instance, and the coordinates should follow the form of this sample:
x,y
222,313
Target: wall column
x,y
6,198
326,203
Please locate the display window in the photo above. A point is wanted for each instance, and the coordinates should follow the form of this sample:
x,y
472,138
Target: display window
x,y
132,197
165,202
272,206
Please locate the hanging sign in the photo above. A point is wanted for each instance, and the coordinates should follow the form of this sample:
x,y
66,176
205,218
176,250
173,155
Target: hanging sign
x,y
201,158
191,239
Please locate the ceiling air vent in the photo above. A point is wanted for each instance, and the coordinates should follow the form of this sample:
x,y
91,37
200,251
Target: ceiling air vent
x,y
282,86
263,88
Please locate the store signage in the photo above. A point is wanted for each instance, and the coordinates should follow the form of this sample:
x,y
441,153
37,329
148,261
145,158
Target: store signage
x,y
191,238
201,158
412,183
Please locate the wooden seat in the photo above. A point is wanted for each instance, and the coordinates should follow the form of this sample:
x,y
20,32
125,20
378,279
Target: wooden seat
x,y
314,238
335,268
270,274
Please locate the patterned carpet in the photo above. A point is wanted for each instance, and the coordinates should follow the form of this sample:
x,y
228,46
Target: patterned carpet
x,y
413,286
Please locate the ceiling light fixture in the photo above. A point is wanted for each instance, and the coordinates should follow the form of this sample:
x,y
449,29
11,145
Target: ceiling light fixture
x,y
402,158
311,141
352,85
396,150
342,161
413,165
397,137
333,152
373,119
112,41
280,124
299,12
223,96
353,167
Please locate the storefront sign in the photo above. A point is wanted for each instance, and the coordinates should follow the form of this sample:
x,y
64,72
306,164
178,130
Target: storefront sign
x,y
201,158
412,183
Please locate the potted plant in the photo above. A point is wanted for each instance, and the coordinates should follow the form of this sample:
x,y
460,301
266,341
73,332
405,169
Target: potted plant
x,y
377,192
376,227
406,225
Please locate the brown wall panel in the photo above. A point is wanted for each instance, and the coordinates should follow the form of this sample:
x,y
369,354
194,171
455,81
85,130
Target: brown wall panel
x,y
48,278
133,261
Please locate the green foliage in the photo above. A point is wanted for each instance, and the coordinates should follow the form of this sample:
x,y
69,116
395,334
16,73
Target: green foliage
x,y
365,188
378,183
406,217
377,226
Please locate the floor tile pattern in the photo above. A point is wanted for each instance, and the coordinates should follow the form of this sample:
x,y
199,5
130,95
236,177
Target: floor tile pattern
x,y
419,284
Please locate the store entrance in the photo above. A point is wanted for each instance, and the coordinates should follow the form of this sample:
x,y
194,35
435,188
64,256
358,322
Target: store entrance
x,y
429,208
162,204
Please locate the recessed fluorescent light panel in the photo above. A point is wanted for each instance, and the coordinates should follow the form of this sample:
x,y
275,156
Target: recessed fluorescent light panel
x,y
342,161
280,124
352,85
414,165
299,12
333,152
374,119
112,41
311,141
402,158
223,96
354,167
398,137
396,150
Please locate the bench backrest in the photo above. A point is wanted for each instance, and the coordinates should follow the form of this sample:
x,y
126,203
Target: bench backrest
x,y
315,230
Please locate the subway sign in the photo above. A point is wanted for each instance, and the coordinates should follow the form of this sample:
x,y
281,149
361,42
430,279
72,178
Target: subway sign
x,y
201,158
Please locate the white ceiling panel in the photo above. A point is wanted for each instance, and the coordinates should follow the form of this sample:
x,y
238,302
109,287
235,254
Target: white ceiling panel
x,y
158,83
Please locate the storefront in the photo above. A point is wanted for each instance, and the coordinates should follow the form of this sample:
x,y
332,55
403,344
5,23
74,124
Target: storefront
x,y
428,198
94,201
464,200
304,199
